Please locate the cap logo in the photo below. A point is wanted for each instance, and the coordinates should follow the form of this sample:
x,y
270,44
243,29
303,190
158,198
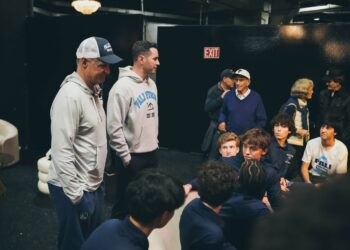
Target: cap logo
x,y
108,47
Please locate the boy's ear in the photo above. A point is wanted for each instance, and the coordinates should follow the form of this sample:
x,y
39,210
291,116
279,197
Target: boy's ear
x,y
264,151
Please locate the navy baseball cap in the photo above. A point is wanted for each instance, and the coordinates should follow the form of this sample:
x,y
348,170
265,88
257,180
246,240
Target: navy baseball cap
x,y
99,48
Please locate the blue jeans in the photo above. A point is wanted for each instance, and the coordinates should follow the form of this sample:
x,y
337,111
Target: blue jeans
x,y
76,221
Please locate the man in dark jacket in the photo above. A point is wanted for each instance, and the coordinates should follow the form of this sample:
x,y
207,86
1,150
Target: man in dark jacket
x,y
335,103
212,106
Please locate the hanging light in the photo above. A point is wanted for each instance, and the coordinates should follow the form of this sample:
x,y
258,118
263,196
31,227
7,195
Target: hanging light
x,y
86,7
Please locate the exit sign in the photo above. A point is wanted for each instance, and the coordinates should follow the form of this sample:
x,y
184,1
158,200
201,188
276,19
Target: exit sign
x,y
211,53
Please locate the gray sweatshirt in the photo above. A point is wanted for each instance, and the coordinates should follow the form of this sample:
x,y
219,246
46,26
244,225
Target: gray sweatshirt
x,y
79,140
132,115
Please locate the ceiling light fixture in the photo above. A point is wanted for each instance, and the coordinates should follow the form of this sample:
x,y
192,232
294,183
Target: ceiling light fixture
x,y
319,7
86,7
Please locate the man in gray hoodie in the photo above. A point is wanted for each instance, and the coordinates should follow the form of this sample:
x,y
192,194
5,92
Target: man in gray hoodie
x,y
79,145
132,120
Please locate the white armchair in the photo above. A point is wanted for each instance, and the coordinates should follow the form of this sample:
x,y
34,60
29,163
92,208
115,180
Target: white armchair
x,y
9,147
43,170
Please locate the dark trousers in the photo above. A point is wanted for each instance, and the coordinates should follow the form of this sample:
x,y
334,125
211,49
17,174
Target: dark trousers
x,y
76,222
139,162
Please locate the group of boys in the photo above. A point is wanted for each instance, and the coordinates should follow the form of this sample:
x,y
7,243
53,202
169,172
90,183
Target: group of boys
x,y
267,168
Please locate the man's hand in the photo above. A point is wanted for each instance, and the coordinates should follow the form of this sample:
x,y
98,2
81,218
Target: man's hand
x,y
303,132
187,189
283,185
126,163
222,127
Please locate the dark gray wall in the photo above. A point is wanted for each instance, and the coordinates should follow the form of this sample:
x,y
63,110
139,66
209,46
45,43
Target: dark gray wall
x,y
274,55
13,85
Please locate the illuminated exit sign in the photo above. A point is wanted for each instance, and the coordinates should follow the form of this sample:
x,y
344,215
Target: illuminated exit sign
x,y
211,53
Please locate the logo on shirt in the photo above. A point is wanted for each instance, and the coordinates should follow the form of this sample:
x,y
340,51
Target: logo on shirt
x,y
143,97
322,166
289,158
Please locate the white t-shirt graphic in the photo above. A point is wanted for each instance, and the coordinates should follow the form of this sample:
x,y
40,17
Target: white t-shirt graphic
x,y
326,161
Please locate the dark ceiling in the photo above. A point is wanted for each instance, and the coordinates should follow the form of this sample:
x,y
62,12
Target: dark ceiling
x,y
210,11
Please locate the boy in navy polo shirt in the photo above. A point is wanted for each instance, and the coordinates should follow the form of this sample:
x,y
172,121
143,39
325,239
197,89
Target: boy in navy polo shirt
x,y
256,142
152,199
200,225
244,208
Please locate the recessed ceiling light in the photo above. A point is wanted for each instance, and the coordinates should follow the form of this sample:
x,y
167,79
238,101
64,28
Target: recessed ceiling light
x,y
319,7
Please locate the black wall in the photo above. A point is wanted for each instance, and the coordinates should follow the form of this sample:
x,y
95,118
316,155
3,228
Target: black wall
x,y
13,87
51,47
275,56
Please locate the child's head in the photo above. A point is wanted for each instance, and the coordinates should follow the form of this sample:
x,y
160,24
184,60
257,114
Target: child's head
x,y
283,126
153,196
255,143
252,178
228,144
216,183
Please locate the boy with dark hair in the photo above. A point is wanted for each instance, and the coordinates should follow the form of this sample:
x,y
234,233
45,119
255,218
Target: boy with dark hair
x,y
281,153
200,224
326,155
242,210
256,142
152,198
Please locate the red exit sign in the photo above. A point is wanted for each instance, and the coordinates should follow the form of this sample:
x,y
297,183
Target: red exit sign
x,y
211,53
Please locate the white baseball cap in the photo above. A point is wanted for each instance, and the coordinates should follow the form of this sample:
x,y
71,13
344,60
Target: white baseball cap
x,y
99,48
242,72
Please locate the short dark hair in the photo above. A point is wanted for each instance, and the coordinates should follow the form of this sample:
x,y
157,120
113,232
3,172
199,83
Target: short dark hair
x,y
151,194
216,183
257,137
284,120
141,48
252,178
332,122
317,217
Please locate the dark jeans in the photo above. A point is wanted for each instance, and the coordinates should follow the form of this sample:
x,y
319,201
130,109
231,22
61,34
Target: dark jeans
x,y
139,162
77,221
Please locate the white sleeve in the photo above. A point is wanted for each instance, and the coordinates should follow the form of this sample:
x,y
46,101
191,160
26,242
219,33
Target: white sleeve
x,y
65,116
343,163
117,111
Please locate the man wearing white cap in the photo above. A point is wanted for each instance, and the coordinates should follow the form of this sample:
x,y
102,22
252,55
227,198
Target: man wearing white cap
x,y
79,144
243,108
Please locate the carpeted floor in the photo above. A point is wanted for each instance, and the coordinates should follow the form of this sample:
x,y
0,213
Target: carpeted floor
x,y
27,219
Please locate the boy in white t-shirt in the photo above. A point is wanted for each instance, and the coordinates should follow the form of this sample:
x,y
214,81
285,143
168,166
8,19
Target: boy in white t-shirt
x,y
327,155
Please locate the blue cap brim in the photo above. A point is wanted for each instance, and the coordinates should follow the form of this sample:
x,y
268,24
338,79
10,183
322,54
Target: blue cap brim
x,y
111,59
